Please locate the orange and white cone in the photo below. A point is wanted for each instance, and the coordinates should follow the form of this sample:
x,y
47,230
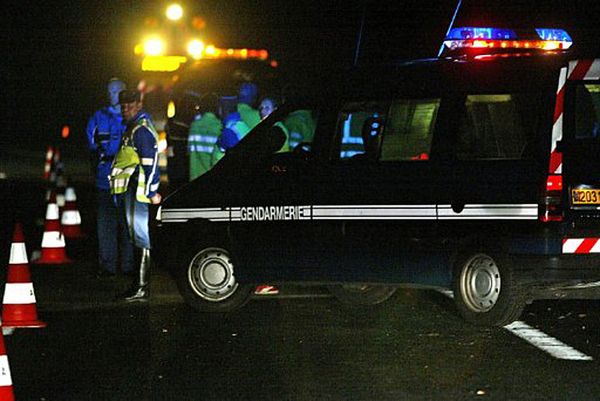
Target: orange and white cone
x,y
53,242
19,306
266,290
70,218
60,192
48,163
6,385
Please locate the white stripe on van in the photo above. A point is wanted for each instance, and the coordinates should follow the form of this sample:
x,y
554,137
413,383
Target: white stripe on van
x,y
355,212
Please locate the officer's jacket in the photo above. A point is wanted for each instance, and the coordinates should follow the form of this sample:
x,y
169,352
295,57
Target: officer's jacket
x,y
137,159
104,131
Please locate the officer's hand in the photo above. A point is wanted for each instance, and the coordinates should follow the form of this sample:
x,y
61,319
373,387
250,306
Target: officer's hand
x,y
155,200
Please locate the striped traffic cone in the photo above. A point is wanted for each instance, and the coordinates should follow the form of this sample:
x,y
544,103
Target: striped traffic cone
x,y
61,184
48,163
19,308
56,170
70,218
6,385
53,242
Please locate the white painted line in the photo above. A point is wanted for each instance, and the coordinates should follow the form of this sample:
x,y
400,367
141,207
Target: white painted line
x,y
540,340
546,343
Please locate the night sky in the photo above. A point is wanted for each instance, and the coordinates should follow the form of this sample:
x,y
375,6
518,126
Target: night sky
x,y
57,56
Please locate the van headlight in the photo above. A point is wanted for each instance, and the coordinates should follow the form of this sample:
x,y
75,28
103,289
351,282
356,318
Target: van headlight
x,y
159,214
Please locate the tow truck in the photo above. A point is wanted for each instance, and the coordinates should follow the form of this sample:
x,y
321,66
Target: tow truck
x,y
178,64
475,172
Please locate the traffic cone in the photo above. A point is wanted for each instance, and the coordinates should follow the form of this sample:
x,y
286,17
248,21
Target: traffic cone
x,y
56,171
19,308
60,189
53,241
6,385
70,218
48,163
266,290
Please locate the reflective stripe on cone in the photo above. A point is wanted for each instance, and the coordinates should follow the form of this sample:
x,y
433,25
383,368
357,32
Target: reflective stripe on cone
x,y
71,218
18,293
18,254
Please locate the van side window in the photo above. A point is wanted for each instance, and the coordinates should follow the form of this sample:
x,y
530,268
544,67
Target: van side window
x,y
387,131
587,111
500,126
409,129
355,119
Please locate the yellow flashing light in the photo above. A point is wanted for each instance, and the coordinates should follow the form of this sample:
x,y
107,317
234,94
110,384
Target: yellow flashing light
x,y
162,63
210,50
154,47
174,12
195,49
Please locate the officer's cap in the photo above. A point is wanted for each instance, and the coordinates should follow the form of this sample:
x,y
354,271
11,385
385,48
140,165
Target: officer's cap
x,y
129,96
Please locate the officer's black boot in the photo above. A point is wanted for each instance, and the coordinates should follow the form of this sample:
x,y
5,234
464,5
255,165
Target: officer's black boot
x,y
139,289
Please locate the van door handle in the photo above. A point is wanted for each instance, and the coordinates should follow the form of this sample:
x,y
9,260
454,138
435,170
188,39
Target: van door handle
x,y
457,207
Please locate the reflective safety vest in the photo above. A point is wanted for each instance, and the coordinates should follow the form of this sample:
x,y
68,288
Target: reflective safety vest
x,y
127,161
201,143
286,145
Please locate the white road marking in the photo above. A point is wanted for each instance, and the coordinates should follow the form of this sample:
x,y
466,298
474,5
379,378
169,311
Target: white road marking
x,y
540,340
546,343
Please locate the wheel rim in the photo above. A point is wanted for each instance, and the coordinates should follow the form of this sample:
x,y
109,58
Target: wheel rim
x,y
480,283
210,275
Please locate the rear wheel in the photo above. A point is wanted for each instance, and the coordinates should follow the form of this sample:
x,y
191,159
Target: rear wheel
x,y
485,291
208,281
361,294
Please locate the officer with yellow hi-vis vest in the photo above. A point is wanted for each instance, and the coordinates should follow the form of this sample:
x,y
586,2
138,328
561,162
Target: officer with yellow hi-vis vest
x,y
134,181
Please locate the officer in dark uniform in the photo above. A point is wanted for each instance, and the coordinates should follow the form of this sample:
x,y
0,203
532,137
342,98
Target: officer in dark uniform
x,y
104,131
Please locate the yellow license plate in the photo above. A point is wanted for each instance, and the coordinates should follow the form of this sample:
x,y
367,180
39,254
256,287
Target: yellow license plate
x,y
585,196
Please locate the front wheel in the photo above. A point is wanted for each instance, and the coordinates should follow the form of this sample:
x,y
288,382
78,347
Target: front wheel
x,y
361,294
208,282
485,291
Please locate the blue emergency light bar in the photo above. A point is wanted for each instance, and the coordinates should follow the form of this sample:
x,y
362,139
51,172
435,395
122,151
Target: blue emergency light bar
x,y
465,33
554,34
549,39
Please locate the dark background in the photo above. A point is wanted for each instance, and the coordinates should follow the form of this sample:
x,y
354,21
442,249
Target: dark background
x,y
57,56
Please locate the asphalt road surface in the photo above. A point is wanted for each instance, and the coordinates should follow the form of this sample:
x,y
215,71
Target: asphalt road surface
x,y
301,345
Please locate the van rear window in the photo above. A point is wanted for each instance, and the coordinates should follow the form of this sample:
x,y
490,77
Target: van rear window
x,y
587,111
498,126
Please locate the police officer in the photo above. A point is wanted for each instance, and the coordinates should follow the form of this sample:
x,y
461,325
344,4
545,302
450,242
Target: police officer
x,y
204,132
247,95
104,131
134,180
267,106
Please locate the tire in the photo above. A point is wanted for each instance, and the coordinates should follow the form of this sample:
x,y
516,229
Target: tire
x,y
485,291
208,282
358,294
